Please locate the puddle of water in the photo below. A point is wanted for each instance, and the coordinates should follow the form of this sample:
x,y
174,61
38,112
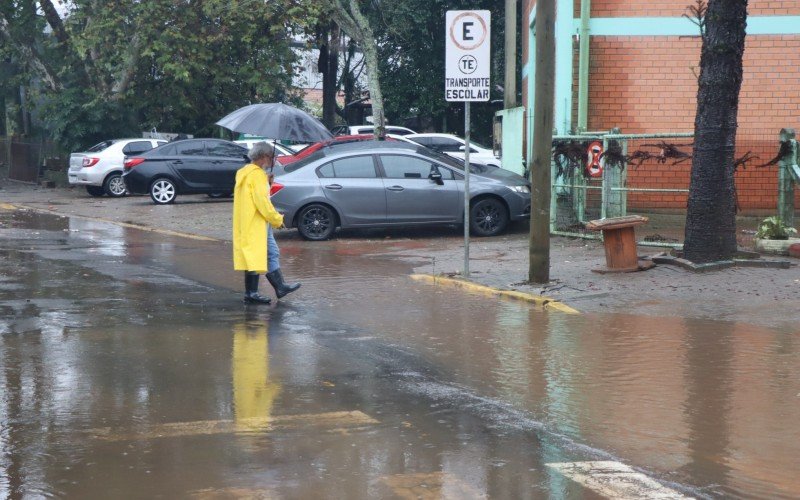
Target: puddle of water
x,y
364,384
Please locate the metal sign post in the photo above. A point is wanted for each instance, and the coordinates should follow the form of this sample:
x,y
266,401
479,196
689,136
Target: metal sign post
x,y
466,189
467,79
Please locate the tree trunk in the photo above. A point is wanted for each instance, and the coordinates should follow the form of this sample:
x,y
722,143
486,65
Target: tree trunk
x,y
375,95
348,15
329,66
370,49
30,56
711,213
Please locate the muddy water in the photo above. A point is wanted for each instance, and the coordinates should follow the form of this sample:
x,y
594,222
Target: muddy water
x,y
129,369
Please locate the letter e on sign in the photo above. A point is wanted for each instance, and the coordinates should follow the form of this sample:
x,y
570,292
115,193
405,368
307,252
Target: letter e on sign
x,y
468,55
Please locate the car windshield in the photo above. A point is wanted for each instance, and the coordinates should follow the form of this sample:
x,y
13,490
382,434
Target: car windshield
x,y
303,162
100,147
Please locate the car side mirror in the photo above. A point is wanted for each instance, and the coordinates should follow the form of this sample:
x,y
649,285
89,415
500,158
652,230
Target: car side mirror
x,y
436,176
462,148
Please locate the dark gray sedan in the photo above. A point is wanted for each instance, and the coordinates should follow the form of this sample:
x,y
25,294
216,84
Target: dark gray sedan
x,y
383,184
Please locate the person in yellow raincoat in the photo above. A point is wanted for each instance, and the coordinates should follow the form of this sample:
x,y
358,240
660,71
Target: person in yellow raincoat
x,y
252,211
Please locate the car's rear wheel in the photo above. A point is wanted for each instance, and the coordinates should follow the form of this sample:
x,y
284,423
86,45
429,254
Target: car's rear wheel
x,y
316,222
114,186
95,190
162,191
488,217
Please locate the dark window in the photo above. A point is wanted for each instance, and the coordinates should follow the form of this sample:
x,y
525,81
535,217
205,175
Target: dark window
x,y
398,131
406,167
219,148
445,145
365,130
137,148
190,148
354,167
99,147
168,150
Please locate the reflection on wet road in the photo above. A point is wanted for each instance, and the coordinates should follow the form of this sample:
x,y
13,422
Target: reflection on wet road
x,y
129,368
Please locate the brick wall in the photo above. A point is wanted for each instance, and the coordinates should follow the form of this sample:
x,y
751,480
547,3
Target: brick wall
x,y
649,85
676,8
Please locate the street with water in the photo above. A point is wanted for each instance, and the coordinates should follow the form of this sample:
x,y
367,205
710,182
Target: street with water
x,y
130,368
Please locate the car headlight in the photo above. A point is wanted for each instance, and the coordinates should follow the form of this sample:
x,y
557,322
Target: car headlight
x,y
520,189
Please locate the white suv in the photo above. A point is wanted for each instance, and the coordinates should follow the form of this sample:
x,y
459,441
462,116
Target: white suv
x,y
100,167
454,146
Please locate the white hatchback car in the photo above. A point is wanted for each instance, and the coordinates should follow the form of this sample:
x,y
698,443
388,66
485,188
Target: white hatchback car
x,y
369,129
454,146
100,167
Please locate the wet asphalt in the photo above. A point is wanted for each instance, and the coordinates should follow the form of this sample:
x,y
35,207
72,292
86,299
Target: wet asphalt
x,y
130,369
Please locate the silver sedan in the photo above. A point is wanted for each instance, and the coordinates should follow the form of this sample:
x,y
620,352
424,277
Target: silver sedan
x,y
383,184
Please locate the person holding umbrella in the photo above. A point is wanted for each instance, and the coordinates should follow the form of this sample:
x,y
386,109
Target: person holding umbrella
x,y
252,212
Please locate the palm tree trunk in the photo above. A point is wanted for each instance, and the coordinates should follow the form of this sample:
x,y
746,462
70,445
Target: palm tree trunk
x,y
711,213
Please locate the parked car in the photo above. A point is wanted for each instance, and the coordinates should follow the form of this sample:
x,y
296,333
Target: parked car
x,y
100,167
190,166
369,129
455,146
380,184
336,141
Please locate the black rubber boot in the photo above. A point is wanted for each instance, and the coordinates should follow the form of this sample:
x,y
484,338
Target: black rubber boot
x,y
282,289
251,295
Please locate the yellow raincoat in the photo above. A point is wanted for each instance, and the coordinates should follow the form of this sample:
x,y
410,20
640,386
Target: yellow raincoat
x,y
252,210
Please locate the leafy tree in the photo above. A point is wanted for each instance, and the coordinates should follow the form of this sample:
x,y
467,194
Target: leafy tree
x,y
112,69
412,50
348,14
711,214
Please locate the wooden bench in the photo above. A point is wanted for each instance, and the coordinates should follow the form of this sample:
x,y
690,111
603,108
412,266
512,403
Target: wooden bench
x,y
619,239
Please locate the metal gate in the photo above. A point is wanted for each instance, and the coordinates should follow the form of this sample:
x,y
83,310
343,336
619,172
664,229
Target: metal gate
x,y
578,197
26,159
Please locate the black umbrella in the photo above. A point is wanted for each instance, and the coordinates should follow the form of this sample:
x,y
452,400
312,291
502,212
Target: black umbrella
x,y
276,121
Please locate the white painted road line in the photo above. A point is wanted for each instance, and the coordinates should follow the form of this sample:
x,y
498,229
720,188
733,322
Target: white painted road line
x,y
614,480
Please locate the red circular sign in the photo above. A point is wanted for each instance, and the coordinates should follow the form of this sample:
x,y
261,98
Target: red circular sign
x,y
477,43
594,165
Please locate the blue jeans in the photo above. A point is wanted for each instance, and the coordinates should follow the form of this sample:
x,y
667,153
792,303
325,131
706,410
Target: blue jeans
x,y
273,252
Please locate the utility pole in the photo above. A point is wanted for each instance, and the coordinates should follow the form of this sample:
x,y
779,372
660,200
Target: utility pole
x,y
510,98
539,253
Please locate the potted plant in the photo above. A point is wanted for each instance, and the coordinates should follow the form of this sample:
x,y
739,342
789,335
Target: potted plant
x,y
774,236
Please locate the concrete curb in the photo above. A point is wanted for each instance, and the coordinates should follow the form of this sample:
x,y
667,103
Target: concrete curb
x,y
543,302
167,232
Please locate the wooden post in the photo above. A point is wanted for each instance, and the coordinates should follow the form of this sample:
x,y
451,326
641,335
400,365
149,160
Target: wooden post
x,y
539,250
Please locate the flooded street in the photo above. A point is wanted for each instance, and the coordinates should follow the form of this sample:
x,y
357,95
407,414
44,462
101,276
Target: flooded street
x,y
129,368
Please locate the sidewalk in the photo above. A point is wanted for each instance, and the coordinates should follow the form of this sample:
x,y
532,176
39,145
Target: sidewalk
x,y
767,297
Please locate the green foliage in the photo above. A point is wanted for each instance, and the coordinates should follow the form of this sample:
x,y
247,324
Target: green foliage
x,y
131,66
411,39
773,228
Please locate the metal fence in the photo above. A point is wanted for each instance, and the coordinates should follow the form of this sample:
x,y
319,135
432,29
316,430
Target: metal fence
x,y
647,174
